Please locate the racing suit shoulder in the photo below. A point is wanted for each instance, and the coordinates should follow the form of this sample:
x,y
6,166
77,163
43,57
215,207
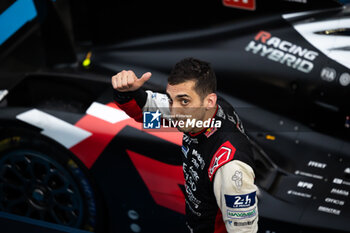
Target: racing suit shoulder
x,y
235,193
157,101
232,145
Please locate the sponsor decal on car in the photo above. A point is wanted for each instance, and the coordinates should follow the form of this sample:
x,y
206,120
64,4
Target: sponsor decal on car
x,y
340,192
316,164
329,210
303,184
344,79
328,74
341,181
299,194
307,174
334,201
282,51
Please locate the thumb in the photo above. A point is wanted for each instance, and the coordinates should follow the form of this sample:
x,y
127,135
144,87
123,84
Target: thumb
x,y
145,77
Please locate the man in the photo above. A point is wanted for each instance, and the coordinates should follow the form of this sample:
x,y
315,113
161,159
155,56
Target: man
x,y
217,160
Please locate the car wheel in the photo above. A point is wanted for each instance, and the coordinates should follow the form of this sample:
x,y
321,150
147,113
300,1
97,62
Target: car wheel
x,y
40,179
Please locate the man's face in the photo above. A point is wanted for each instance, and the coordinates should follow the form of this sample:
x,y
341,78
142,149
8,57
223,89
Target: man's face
x,y
185,103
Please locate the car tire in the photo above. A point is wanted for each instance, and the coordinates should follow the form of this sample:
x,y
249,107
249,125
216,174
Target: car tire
x,y
41,179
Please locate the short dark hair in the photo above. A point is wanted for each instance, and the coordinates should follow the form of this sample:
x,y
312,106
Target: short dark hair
x,y
196,70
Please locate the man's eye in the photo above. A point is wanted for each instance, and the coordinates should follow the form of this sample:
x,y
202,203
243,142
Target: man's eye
x,y
184,102
170,101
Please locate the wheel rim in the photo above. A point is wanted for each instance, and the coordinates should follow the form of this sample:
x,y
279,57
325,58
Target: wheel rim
x,y
36,186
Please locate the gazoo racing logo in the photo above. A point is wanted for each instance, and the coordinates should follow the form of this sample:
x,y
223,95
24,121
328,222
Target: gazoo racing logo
x,y
282,51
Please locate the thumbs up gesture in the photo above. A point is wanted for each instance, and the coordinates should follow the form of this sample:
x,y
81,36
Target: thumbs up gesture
x,y
126,81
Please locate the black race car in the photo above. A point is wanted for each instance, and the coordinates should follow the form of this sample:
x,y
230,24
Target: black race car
x,y
69,156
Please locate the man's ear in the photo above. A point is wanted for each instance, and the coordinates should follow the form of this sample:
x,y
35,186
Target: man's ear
x,y
211,100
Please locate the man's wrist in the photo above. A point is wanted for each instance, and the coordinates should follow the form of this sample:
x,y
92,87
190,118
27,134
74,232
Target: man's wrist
x,y
140,96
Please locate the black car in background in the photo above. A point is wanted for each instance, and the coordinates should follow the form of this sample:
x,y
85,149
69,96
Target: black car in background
x,y
69,156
